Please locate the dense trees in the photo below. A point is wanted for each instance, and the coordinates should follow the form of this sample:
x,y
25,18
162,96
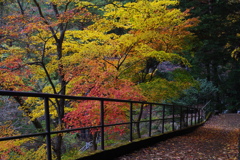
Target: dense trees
x,y
217,37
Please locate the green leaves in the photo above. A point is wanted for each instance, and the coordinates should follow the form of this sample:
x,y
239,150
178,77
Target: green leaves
x,y
201,92
168,89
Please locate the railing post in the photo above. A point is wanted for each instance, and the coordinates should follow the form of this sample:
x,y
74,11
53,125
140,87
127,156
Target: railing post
x,y
187,117
173,117
163,120
102,124
48,129
181,117
199,116
150,121
191,117
131,121
195,116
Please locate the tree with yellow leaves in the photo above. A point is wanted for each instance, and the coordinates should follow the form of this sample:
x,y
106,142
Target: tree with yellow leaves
x,y
57,46
152,31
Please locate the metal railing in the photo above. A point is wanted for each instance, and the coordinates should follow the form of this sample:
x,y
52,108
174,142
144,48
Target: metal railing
x,y
177,117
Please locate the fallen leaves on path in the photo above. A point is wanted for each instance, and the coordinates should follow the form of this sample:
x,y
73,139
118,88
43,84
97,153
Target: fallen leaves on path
x,y
217,139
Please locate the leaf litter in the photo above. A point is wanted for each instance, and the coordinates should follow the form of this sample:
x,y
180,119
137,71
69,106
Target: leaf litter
x,y
217,139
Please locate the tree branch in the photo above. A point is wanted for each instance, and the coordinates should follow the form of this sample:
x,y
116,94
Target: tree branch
x,y
44,20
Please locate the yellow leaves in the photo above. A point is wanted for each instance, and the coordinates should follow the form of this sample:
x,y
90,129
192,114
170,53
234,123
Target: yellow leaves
x,y
141,14
154,31
53,65
17,51
151,21
38,106
41,36
151,25
162,56
6,130
162,90
112,10
39,153
38,72
83,4
95,44
128,39
89,35
103,25
71,47
235,53
78,3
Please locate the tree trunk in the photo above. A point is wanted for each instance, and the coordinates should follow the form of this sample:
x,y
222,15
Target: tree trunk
x,y
28,112
58,146
95,141
138,121
61,103
1,14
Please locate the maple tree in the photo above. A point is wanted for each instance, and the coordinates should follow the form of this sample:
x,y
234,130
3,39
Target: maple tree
x,y
33,49
101,81
87,113
126,53
152,31
122,39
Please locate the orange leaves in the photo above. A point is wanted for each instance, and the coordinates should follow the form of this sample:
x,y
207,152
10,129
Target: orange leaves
x,y
104,84
12,62
81,14
13,71
6,147
100,83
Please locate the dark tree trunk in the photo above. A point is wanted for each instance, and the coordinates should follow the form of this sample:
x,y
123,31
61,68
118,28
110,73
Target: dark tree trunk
x,y
95,141
138,121
28,112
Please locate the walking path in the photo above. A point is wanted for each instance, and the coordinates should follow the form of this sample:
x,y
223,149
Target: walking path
x,y
217,139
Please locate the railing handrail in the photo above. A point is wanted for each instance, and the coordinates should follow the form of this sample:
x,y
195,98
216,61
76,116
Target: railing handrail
x,y
48,131
35,94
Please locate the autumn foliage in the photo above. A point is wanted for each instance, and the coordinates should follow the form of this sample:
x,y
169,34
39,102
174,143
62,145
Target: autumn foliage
x,y
87,113
86,49
7,147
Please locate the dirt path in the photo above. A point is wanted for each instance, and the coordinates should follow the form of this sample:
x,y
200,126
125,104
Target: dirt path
x,y
217,139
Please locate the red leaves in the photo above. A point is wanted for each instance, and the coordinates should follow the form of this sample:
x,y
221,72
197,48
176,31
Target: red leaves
x,y
12,72
12,62
87,113
100,83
